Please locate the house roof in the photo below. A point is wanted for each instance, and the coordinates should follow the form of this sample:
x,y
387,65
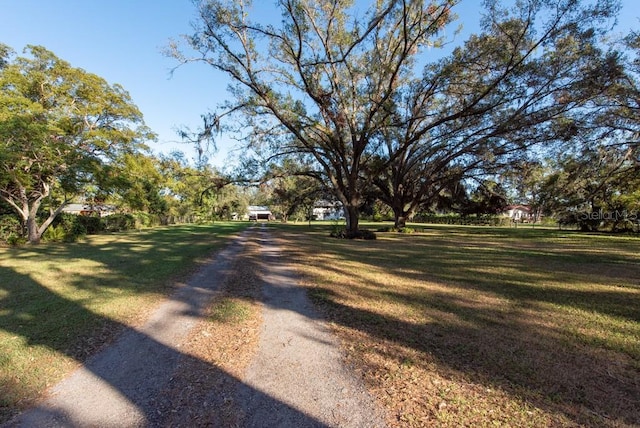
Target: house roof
x,y
87,207
518,207
258,208
323,203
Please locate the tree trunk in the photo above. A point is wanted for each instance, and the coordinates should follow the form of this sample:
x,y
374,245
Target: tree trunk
x,y
33,234
351,215
400,220
401,215
28,213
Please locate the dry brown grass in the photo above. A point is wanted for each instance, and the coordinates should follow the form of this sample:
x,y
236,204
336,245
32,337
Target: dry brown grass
x,y
484,327
201,392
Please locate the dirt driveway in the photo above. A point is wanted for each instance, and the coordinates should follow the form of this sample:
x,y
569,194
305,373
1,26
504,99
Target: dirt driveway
x,y
295,377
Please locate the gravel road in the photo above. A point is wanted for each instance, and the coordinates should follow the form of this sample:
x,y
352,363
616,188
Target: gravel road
x,y
298,367
296,379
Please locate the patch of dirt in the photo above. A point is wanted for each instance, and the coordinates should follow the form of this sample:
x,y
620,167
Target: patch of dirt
x,y
199,395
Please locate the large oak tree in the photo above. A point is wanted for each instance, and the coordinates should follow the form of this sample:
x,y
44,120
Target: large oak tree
x,y
319,83
59,126
344,89
527,82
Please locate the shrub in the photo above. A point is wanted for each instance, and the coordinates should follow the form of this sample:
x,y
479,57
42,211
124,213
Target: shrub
x,y
15,240
336,228
54,234
10,229
360,234
92,224
72,226
337,232
397,229
119,222
142,219
455,219
146,220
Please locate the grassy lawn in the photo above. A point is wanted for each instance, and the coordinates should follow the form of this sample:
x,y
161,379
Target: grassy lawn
x,y
60,303
472,326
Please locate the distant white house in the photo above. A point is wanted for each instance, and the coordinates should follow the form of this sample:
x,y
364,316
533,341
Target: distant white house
x,y
89,209
256,212
519,213
327,210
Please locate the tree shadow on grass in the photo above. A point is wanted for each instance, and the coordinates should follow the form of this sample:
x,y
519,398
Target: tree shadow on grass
x,y
490,345
535,364
137,372
520,273
135,262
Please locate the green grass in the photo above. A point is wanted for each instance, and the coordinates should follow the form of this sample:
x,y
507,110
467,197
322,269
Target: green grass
x,y
61,302
230,311
524,327
471,326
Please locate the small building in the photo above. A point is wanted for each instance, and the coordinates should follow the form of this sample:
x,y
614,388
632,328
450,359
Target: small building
x,y
256,213
98,210
327,210
519,213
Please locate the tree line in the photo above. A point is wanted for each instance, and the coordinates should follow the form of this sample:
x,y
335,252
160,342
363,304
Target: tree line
x,y
68,135
353,100
362,105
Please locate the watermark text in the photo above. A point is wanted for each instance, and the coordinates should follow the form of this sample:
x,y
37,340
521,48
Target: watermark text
x,y
610,216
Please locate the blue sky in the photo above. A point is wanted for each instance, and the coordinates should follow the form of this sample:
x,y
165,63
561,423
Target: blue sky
x,y
122,41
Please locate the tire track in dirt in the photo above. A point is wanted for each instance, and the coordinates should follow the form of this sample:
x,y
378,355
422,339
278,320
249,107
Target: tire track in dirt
x,y
296,378
298,362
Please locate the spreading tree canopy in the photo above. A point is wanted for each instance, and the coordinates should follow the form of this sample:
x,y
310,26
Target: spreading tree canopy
x,y
528,81
319,83
59,127
344,88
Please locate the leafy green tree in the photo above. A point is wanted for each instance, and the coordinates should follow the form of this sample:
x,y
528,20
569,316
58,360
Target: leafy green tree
x,y
526,184
5,54
198,193
452,198
489,197
520,85
414,180
596,183
135,183
320,83
294,189
343,90
59,126
595,188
